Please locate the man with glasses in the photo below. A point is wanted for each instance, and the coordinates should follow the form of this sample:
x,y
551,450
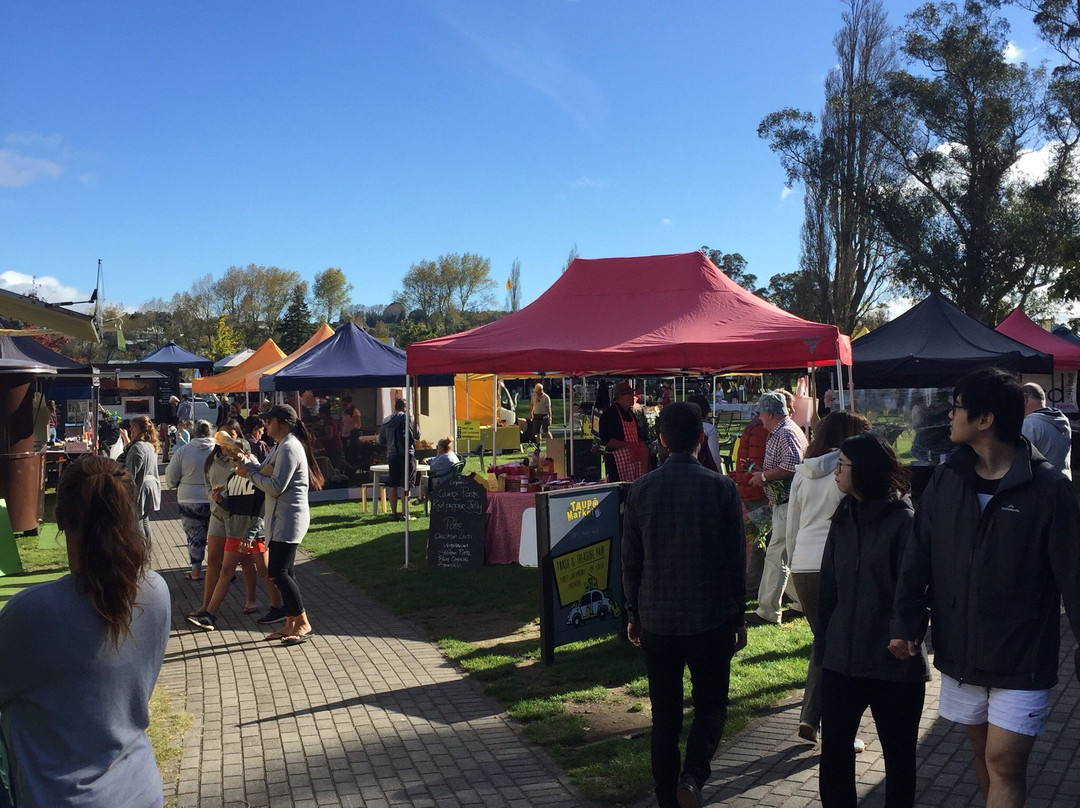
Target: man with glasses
x,y
994,552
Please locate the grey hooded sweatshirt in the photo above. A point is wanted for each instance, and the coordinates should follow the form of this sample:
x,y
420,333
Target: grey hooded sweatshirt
x,y
1050,432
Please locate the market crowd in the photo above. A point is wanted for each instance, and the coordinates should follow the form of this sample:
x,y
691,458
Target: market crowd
x,y
983,559
978,567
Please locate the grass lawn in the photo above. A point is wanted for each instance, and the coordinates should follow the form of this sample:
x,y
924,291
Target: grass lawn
x,y
590,709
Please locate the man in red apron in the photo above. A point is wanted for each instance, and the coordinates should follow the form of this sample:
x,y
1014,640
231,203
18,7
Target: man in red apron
x,y
625,447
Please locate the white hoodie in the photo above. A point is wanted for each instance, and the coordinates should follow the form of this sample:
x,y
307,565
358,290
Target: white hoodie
x,y
814,499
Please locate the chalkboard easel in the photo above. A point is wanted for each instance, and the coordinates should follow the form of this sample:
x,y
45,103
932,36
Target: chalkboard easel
x,y
456,531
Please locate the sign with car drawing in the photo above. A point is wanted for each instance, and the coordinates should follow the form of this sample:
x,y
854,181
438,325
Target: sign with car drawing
x,y
578,538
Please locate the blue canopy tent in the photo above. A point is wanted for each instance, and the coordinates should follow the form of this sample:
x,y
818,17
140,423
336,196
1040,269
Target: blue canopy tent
x,y
351,358
172,356
73,380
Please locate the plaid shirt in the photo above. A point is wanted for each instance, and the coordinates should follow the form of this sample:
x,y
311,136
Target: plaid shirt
x,y
683,550
784,449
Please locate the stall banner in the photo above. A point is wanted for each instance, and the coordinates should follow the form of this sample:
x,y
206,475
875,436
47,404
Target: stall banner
x,y
578,542
468,430
1060,389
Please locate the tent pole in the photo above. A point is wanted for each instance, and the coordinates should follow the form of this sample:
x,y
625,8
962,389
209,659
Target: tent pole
x,y
495,407
407,488
839,380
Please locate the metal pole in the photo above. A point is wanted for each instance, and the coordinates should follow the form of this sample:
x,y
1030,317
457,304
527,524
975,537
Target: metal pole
x,y
407,488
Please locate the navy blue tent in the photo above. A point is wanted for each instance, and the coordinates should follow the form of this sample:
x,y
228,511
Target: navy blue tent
x,y
1065,333
933,344
171,355
72,380
351,358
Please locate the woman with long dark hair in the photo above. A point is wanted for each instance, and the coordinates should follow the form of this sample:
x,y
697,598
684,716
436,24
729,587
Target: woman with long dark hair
x,y
84,653
289,471
814,498
141,460
859,569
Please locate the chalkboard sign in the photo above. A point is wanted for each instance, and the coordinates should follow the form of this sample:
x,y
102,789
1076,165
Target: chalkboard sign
x,y
456,532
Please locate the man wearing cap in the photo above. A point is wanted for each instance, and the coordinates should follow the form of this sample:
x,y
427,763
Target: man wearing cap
x,y
619,434
784,450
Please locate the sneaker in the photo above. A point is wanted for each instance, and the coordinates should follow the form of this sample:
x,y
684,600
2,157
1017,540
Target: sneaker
x,y
275,615
203,620
807,732
859,745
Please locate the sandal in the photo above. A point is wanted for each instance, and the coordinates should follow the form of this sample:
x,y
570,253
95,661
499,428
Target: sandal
x,y
277,635
249,610
296,639
191,577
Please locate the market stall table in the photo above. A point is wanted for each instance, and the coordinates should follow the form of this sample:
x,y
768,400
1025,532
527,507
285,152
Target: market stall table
x,y
503,528
377,473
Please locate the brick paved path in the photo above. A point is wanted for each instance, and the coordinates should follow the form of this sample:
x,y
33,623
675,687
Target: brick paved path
x,y
768,766
367,713
370,714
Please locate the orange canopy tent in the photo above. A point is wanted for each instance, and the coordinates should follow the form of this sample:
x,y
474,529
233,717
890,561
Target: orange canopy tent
x,y
234,380
323,333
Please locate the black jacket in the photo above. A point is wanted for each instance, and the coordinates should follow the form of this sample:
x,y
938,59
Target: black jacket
x,y
993,580
859,569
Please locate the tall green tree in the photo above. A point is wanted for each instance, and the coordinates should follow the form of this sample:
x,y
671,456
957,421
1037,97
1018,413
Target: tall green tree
x,y
226,340
443,290
513,287
967,221
734,266
295,326
844,259
332,292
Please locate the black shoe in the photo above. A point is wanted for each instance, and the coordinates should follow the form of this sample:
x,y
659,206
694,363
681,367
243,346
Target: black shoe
x,y
688,793
755,619
203,620
790,615
275,615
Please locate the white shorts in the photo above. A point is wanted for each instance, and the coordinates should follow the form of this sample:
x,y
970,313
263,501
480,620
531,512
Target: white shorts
x,y
1020,711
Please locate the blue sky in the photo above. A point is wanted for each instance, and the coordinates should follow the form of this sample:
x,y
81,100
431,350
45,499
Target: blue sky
x,y
175,139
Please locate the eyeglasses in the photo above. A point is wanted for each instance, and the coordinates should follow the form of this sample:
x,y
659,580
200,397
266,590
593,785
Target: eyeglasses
x,y
840,465
956,407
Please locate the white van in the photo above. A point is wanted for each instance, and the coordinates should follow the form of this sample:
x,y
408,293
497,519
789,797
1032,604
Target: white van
x,y
204,404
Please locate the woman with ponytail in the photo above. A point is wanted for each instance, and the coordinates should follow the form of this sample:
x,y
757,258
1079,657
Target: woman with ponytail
x,y
141,460
289,471
84,654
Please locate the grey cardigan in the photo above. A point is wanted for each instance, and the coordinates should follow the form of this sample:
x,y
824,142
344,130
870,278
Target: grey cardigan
x,y
286,486
142,461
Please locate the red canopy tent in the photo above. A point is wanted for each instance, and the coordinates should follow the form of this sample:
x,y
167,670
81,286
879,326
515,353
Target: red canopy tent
x,y
660,314
1021,328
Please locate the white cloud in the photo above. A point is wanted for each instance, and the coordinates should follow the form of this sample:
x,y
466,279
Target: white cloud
x,y
666,222
788,191
17,170
1013,53
89,178
588,182
898,305
47,288
33,139
535,58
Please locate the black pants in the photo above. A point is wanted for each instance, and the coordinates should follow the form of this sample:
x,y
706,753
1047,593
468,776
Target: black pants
x,y
280,569
708,655
896,707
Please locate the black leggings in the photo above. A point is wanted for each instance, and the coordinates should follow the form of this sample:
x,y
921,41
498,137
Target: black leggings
x,y
896,707
280,569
